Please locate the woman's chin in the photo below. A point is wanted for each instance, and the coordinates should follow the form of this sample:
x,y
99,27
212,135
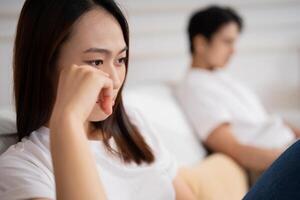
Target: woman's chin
x,y
97,116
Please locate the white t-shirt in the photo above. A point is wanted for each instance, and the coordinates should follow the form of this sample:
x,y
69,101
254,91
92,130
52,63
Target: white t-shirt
x,y
26,169
211,98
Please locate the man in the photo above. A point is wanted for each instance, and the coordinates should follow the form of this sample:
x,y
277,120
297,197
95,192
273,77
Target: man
x,y
227,117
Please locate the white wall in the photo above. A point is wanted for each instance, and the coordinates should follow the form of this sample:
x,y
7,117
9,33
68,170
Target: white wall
x,y
267,59
268,53
9,10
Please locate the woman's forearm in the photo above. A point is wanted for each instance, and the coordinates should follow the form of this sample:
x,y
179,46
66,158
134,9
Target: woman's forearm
x,y
75,169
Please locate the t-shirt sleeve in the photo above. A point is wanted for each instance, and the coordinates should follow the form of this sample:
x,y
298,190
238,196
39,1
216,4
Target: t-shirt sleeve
x,y
21,179
164,159
205,110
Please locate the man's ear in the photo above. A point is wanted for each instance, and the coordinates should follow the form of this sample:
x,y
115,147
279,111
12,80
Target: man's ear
x,y
200,44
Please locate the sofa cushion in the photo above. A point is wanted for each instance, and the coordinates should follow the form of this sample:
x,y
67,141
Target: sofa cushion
x,y
7,122
7,129
157,105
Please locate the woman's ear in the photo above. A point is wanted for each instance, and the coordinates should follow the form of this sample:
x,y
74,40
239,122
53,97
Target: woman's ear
x,y
200,44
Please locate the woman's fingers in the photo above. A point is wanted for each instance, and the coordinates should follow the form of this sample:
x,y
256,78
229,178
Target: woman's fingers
x,y
107,96
82,86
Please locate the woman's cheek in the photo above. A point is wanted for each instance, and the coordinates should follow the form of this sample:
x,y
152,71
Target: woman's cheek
x,y
122,74
97,114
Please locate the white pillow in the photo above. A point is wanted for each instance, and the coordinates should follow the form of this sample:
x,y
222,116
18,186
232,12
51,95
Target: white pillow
x,y
7,122
157,104
7,129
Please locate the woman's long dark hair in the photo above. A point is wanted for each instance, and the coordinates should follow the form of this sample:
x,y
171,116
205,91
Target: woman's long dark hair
x,y
44,25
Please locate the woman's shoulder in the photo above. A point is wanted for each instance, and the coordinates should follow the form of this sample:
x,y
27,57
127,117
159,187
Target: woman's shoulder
x,y
32,146
26,171
30,154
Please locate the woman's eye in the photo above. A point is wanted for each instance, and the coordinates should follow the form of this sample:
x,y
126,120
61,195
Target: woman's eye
x,y
95,63
122,60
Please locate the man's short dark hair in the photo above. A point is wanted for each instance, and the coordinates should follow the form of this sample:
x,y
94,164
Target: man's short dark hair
x,y
208,21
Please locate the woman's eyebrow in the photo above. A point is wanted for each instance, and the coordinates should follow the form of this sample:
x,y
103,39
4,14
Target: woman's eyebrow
x,y
104,51
124,49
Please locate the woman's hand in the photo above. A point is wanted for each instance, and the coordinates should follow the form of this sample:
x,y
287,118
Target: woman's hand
x,y
79,88
76,175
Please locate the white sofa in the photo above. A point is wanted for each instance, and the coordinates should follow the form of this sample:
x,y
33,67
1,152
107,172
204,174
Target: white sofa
x,y
157,105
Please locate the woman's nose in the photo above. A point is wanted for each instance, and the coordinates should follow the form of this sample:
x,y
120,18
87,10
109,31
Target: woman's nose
x,y
114,76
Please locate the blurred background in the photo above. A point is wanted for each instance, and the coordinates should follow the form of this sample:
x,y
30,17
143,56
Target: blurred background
x,y
267,58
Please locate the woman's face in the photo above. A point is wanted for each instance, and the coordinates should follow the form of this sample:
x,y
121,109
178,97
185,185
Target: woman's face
x,y
97,40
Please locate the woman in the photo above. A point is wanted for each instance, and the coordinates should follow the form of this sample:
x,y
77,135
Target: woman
x,y
77,142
